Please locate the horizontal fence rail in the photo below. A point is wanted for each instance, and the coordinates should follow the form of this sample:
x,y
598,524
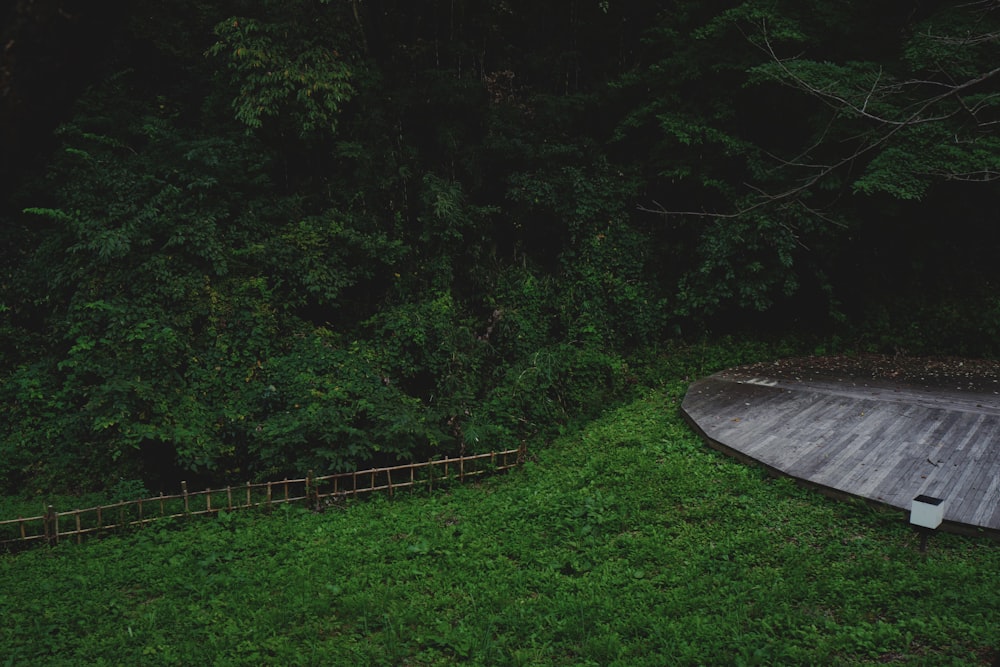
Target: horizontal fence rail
x,y
315,492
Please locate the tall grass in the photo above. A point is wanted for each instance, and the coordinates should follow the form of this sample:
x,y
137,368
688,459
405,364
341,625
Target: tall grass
x,y
627,542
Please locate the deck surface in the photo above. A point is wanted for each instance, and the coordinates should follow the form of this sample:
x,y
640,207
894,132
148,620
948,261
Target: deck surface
x,y
884,441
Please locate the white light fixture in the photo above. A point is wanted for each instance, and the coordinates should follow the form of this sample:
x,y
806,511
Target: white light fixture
x,y
927,511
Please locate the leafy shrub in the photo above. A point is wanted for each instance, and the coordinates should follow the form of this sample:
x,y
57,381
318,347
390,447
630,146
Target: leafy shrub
x,y
328,406
558,384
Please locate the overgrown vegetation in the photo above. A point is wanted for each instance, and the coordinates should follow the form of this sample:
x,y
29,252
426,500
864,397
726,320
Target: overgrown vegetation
x,y
628,542
267,237
250,238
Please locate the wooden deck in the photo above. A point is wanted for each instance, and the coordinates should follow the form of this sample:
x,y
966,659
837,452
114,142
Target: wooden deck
x,y
882,441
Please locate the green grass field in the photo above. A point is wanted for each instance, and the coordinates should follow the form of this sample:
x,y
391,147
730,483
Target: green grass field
x,y
627,542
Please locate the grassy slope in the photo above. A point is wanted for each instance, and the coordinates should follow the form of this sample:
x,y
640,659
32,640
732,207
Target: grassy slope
x,y
628,542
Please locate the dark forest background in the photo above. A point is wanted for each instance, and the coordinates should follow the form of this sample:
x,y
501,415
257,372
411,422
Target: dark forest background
x,y
247,238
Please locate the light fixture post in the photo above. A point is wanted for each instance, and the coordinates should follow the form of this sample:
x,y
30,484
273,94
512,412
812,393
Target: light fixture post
x,y
926,513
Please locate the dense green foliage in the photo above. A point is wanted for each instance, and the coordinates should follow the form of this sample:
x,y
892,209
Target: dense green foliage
x,y
628,542
266,237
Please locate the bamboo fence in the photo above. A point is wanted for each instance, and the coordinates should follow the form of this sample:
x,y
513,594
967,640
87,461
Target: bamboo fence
x,y
316,492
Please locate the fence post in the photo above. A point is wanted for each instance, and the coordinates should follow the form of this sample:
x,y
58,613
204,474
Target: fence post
x,y
184,491
51,525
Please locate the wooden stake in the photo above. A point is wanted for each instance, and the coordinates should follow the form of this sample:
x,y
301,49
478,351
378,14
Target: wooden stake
x,y
51,525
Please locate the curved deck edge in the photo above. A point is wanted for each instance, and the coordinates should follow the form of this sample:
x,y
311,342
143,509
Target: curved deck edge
x,y
830,491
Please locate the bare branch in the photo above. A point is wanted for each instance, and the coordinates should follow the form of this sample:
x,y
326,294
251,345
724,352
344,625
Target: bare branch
x,y
885,129
819,214
839,102
873,89
983,176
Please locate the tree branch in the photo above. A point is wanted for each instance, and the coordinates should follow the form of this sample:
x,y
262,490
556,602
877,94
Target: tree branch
x,y
885,129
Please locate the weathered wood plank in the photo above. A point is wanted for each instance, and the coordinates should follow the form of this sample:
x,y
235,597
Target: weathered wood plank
x,y
993,522
991,496
983,475
887,456
955,488
903,482
883,442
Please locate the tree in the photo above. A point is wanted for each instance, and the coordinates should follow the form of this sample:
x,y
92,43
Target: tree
x,y
315,234
871,101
